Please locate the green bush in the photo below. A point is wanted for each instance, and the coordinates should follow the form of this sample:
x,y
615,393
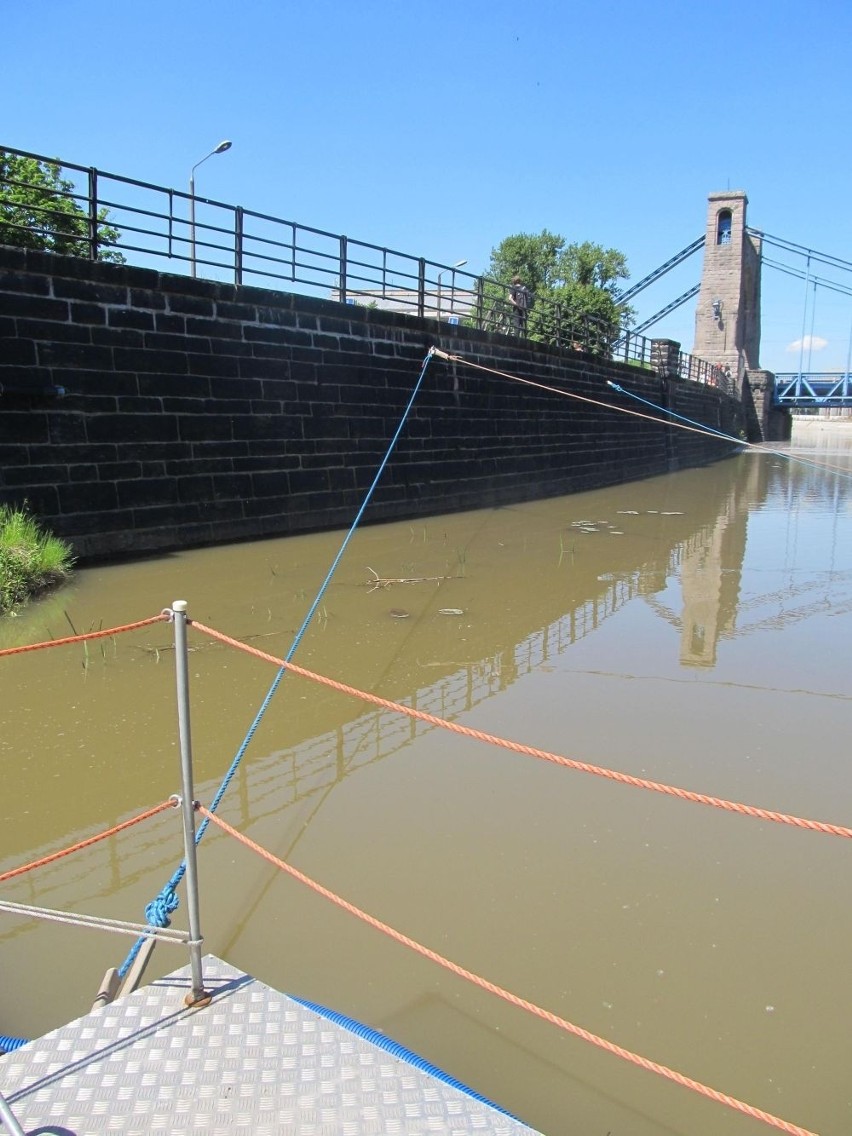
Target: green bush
x,y
30,559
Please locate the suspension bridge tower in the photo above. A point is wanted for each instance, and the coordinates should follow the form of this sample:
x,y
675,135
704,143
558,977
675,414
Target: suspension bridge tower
x,y
727,319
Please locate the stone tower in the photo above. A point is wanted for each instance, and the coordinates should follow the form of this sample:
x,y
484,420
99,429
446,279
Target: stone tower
x,y
727,319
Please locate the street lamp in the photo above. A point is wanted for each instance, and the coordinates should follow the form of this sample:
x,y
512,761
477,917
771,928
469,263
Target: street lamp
x,y
453,268
220,149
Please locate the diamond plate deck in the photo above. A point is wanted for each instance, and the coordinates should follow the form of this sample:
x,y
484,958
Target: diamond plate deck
x,y
253,1061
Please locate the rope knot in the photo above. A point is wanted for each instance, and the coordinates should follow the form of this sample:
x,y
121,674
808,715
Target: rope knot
x,y
159,909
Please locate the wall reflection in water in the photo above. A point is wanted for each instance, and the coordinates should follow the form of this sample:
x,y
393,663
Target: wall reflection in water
x,y
685,628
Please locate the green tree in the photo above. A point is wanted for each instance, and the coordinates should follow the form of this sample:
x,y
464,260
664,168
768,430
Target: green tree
x,y
575,287
535,258
38,210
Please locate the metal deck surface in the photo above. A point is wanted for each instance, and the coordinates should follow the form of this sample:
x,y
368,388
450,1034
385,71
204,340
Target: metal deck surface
x,y
254,1060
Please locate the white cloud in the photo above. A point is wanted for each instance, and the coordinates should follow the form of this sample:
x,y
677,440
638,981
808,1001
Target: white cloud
x,y
809,343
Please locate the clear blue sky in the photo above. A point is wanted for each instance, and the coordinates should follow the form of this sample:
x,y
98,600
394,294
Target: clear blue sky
x,y
439,128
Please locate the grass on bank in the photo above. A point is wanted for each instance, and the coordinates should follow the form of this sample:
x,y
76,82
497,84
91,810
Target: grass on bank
x,y
30,559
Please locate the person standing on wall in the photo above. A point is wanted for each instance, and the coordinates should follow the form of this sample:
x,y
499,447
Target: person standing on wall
x,y
520,298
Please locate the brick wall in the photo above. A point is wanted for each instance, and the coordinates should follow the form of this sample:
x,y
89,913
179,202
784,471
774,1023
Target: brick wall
x,y
197,413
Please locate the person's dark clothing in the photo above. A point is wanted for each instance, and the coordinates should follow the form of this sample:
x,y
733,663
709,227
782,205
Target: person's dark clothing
x,y
520,298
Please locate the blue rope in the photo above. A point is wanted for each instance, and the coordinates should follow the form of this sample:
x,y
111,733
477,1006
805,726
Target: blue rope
x,y
671,413
161,907
730,438
10,1044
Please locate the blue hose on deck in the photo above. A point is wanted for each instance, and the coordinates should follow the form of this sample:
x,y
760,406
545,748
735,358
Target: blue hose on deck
x,y
8,1044
397,1050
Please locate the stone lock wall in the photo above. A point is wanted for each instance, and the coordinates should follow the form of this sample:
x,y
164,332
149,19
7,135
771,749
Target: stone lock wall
x,y
141,411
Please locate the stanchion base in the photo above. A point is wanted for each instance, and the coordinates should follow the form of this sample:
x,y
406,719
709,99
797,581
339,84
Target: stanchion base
x,y
198,1001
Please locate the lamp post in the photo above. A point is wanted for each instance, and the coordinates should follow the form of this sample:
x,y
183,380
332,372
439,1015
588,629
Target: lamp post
x,y
220,149
453,268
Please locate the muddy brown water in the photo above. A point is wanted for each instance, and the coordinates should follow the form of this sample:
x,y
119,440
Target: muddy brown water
x,y
692,629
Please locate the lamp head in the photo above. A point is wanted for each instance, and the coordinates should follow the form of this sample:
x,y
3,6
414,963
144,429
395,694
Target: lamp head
x,y
222,147
717,309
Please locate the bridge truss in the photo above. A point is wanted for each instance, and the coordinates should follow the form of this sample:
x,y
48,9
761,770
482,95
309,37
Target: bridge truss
x,y
813,390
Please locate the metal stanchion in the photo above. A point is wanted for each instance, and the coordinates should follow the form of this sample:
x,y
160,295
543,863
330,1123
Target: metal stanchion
x,y
198,996
8,1118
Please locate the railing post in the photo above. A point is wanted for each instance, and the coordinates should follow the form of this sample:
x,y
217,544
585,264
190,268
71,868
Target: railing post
x,y
93,213
198,996
480,301
9,1119
238,245
421,287
342,277
171,197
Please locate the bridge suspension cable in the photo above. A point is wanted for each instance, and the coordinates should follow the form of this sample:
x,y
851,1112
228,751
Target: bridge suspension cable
x,y
643,327
623,297
799,275
802,250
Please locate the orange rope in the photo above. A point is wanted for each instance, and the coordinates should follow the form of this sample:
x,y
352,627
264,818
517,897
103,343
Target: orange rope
x,y
86,843
580,397
88,635
759,448
507,996
532,751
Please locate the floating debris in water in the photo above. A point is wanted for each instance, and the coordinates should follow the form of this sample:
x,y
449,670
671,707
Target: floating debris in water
x,y
399,613
616,532
450,611
672,513
628,512
586,528
381,582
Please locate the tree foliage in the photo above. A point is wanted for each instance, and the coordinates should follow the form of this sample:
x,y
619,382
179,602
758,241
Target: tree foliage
x,y
38,210
575,284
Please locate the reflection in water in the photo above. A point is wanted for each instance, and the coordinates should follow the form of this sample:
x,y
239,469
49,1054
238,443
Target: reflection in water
x,y
710,569
684,628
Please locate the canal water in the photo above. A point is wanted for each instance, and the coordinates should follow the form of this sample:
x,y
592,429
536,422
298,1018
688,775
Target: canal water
x,y
692,629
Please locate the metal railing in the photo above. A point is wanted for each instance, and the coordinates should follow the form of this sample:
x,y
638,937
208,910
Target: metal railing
x,y
813,390
696,370
120,218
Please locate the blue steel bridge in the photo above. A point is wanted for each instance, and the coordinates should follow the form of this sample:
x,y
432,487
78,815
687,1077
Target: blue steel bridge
x,y
798,391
